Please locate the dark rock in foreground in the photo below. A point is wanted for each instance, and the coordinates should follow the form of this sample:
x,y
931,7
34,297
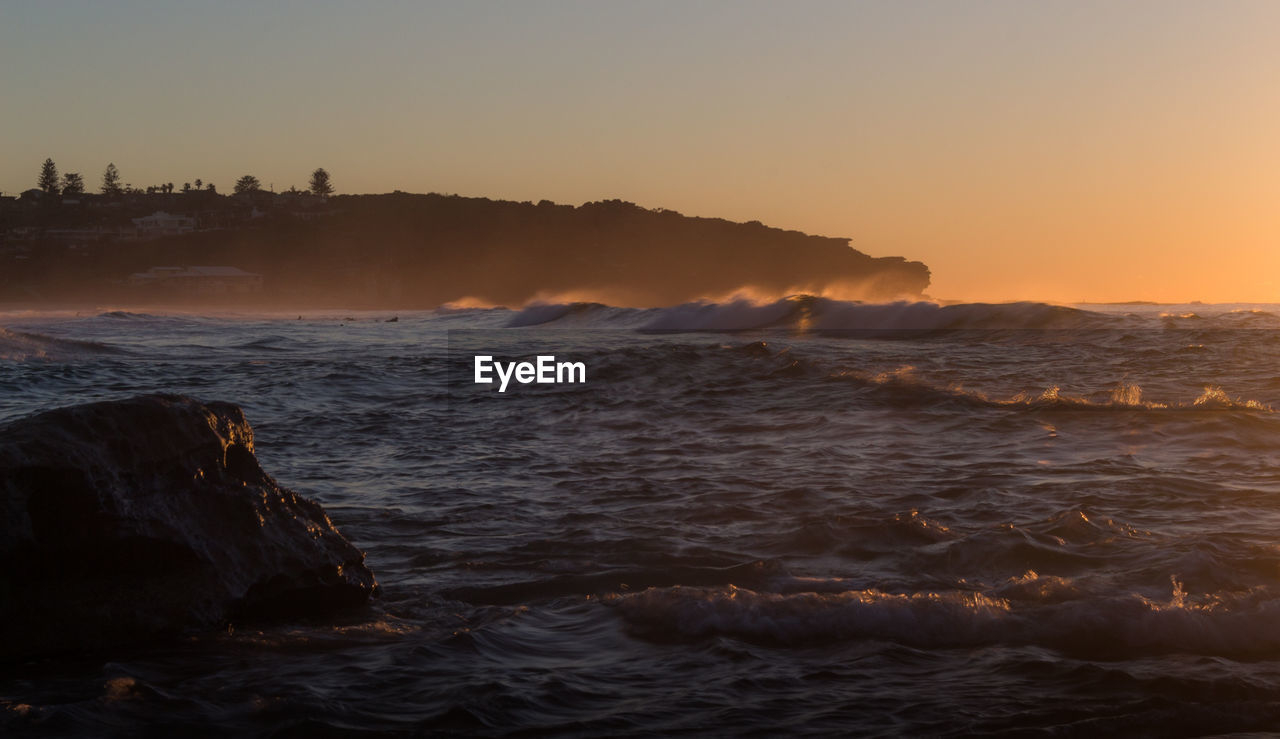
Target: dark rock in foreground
x,y
139,519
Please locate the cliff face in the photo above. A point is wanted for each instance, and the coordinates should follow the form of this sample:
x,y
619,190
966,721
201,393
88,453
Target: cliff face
x,y
420,251
134,520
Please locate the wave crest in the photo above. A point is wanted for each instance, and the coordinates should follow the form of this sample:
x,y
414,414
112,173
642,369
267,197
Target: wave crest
x,y
904,387
19,346
1031,609
807,312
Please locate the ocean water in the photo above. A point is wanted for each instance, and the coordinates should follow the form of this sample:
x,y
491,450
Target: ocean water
x,y
802,517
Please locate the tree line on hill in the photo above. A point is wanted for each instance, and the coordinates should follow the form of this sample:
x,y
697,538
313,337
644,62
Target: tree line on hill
x,y
71,184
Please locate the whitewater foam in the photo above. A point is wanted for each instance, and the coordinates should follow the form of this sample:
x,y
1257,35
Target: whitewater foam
x,y
1027,610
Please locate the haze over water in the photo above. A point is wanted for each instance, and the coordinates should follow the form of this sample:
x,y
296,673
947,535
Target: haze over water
x,y
800,516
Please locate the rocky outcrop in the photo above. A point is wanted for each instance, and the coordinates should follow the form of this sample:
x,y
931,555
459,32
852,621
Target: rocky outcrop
x,y
138,519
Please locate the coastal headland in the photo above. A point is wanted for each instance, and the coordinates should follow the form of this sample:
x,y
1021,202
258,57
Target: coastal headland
x,y
407,251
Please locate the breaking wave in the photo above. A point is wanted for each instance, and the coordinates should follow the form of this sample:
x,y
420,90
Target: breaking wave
x,y
125,315
1028,610
807,312
906,387
903,385
821,314
21,345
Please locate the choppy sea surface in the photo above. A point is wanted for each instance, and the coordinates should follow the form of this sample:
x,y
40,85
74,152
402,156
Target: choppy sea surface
x,y
806,516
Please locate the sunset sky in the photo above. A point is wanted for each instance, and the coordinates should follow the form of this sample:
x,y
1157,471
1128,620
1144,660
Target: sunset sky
x,y
1057,151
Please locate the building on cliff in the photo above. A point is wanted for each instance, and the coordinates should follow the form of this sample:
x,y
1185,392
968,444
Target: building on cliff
x,y
161,223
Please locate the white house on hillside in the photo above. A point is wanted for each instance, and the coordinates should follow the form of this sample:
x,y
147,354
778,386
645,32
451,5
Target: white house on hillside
x,y
161,223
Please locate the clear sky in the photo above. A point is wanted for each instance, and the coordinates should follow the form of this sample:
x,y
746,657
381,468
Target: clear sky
x,y
1048,150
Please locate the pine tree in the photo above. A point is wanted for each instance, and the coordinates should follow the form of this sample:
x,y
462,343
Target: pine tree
x,y
48,181
111,181
320,183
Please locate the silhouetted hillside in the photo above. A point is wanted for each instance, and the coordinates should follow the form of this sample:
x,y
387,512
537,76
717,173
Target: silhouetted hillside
x,y
416,251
